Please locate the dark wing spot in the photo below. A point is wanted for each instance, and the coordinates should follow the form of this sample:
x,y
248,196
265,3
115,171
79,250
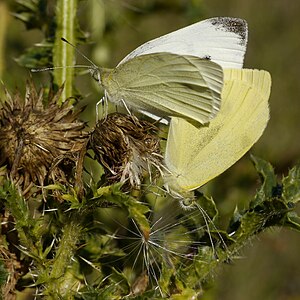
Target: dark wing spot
x,y
207,57
235,25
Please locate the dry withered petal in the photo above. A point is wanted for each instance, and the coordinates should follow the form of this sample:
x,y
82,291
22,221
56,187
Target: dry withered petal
x,y
126,147
14,268
140,285
34,135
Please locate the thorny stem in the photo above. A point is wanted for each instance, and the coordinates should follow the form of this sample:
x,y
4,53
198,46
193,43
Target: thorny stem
x,y
24,224
66,249
58,283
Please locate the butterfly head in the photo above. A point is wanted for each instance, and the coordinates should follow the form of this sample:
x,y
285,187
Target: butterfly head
x,y
95,73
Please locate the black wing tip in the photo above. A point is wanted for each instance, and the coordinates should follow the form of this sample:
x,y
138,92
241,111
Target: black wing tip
x,y
236,25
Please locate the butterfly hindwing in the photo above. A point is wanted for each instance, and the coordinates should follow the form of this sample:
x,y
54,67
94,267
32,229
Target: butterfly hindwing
x,y
168,84
196,155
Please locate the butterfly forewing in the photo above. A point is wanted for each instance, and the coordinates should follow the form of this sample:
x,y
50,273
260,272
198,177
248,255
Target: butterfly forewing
x,y
222,40
168,84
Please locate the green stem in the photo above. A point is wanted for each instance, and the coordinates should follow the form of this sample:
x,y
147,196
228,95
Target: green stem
x,y
64,54
66,249
24,223
3,27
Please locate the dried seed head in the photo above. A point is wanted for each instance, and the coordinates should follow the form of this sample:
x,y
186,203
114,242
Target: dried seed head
x,y
33,135
126,147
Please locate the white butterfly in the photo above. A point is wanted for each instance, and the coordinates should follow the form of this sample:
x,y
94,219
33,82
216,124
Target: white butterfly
x,y
178,74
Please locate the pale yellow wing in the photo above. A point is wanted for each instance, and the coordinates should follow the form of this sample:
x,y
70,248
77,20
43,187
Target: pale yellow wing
x,y
196,155
166,84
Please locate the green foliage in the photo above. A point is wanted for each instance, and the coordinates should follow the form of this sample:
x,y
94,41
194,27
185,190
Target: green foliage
x,y
270,206
37,14
33,13
87,258
83,247
291,183
55,22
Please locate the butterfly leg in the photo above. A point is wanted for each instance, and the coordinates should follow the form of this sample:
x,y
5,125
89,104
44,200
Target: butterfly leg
x,y
104,103
126,107
128,110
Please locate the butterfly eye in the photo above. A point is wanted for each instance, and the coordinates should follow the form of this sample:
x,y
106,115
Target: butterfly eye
x,y
95,74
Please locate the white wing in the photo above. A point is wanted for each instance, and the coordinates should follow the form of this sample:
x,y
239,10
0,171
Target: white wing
x,y
222,40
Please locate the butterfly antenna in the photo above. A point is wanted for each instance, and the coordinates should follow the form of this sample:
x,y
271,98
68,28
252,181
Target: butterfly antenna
x,y
59,67
79,52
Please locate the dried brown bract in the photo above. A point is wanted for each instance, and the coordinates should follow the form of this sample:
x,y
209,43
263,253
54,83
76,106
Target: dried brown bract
x,y
14,270
127,148
33,136
140,285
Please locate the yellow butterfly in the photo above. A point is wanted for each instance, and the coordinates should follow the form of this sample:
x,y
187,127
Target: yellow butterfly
x,y
196,155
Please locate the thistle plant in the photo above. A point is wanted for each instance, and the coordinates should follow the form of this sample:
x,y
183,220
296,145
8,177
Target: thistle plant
x,y
127,147
68,234
34,137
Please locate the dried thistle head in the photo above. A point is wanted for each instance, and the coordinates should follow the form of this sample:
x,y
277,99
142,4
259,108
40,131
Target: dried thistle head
x,y
126,147
33,135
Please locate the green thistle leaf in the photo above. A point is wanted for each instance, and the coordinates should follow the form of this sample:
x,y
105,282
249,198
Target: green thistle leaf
x,y
269,181
291,185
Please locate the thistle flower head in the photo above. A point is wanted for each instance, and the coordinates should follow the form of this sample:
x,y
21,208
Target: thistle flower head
x,y
33,135
127,147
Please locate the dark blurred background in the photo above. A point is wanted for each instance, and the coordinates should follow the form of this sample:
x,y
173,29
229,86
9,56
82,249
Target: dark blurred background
x,y
269,267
